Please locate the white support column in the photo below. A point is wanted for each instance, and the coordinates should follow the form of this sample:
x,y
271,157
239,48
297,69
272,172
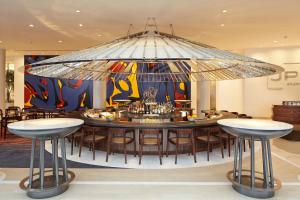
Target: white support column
x,y
18,61
99,94
2,78
213,95
230,95
203,95
194,96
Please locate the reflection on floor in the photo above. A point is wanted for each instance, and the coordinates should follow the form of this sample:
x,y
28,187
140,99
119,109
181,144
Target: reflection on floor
x,y
206,182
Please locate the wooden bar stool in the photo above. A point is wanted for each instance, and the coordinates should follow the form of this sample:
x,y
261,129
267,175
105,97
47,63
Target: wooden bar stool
x,y
228,139
150,137
120,136
91,135
12,114
75,139
181,137
211,139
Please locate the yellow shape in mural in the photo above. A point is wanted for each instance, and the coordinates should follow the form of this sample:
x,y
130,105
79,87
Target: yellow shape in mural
x,y
59,83
115,92
182,86
82,100
124,86
133,81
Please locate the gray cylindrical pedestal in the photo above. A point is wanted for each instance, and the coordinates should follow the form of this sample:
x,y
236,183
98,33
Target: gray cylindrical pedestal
x,y
250,182
47,183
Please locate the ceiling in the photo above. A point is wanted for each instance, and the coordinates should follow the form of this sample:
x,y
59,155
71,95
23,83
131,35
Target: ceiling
x,y
246,24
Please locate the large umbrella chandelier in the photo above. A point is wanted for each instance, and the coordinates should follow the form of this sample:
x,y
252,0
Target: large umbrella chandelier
x,y
153,56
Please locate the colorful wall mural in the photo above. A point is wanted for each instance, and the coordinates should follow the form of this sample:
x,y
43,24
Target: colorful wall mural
x,y
128,87
53,93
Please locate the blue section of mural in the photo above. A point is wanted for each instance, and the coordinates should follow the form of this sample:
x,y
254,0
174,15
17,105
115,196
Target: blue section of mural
x,y
52,93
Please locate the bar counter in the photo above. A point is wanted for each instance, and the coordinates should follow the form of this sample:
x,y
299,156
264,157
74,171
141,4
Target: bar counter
x,y
117,123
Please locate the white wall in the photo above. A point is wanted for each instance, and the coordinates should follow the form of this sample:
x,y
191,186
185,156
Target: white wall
x,y
194,96
258,98
230,95
253,96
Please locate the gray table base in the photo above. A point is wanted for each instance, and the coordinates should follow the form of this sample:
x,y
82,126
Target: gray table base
x,y
249,182
49,183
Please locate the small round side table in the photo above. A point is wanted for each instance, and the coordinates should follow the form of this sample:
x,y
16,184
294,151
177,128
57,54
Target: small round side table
x,y
250,182
49,183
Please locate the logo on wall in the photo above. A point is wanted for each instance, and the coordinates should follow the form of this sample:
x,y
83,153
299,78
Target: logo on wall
x,y
288,78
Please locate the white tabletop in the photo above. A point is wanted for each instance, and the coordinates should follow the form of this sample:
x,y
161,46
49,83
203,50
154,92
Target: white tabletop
x,y
45,124
255,124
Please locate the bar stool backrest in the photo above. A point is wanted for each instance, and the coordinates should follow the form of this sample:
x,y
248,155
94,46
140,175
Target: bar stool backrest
x,y
150,131
244,116
73,114
116,131
214,130
235,113
184,132
13,111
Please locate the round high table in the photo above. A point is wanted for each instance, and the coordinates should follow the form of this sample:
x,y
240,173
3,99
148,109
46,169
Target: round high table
x,y
250,182
44,184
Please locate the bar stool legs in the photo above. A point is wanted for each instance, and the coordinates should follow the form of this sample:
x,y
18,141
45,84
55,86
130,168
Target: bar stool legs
x,y
250,182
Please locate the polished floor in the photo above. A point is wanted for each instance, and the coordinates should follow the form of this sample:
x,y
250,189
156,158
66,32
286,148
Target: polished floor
x,y
207,182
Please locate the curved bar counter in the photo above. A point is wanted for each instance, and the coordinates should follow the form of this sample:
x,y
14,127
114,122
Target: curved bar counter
x,y
199,127
163,125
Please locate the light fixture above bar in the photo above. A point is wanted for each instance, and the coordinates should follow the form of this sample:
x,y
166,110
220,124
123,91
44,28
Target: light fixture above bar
x,y
181,59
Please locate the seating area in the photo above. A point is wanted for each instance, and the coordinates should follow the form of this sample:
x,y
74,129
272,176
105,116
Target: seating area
x,y
127,141
133,99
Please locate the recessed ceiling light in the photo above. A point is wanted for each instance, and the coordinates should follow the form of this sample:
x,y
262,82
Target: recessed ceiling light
x,y
224,11
78,11
80,25
31,25
275,41
222,25
59,41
